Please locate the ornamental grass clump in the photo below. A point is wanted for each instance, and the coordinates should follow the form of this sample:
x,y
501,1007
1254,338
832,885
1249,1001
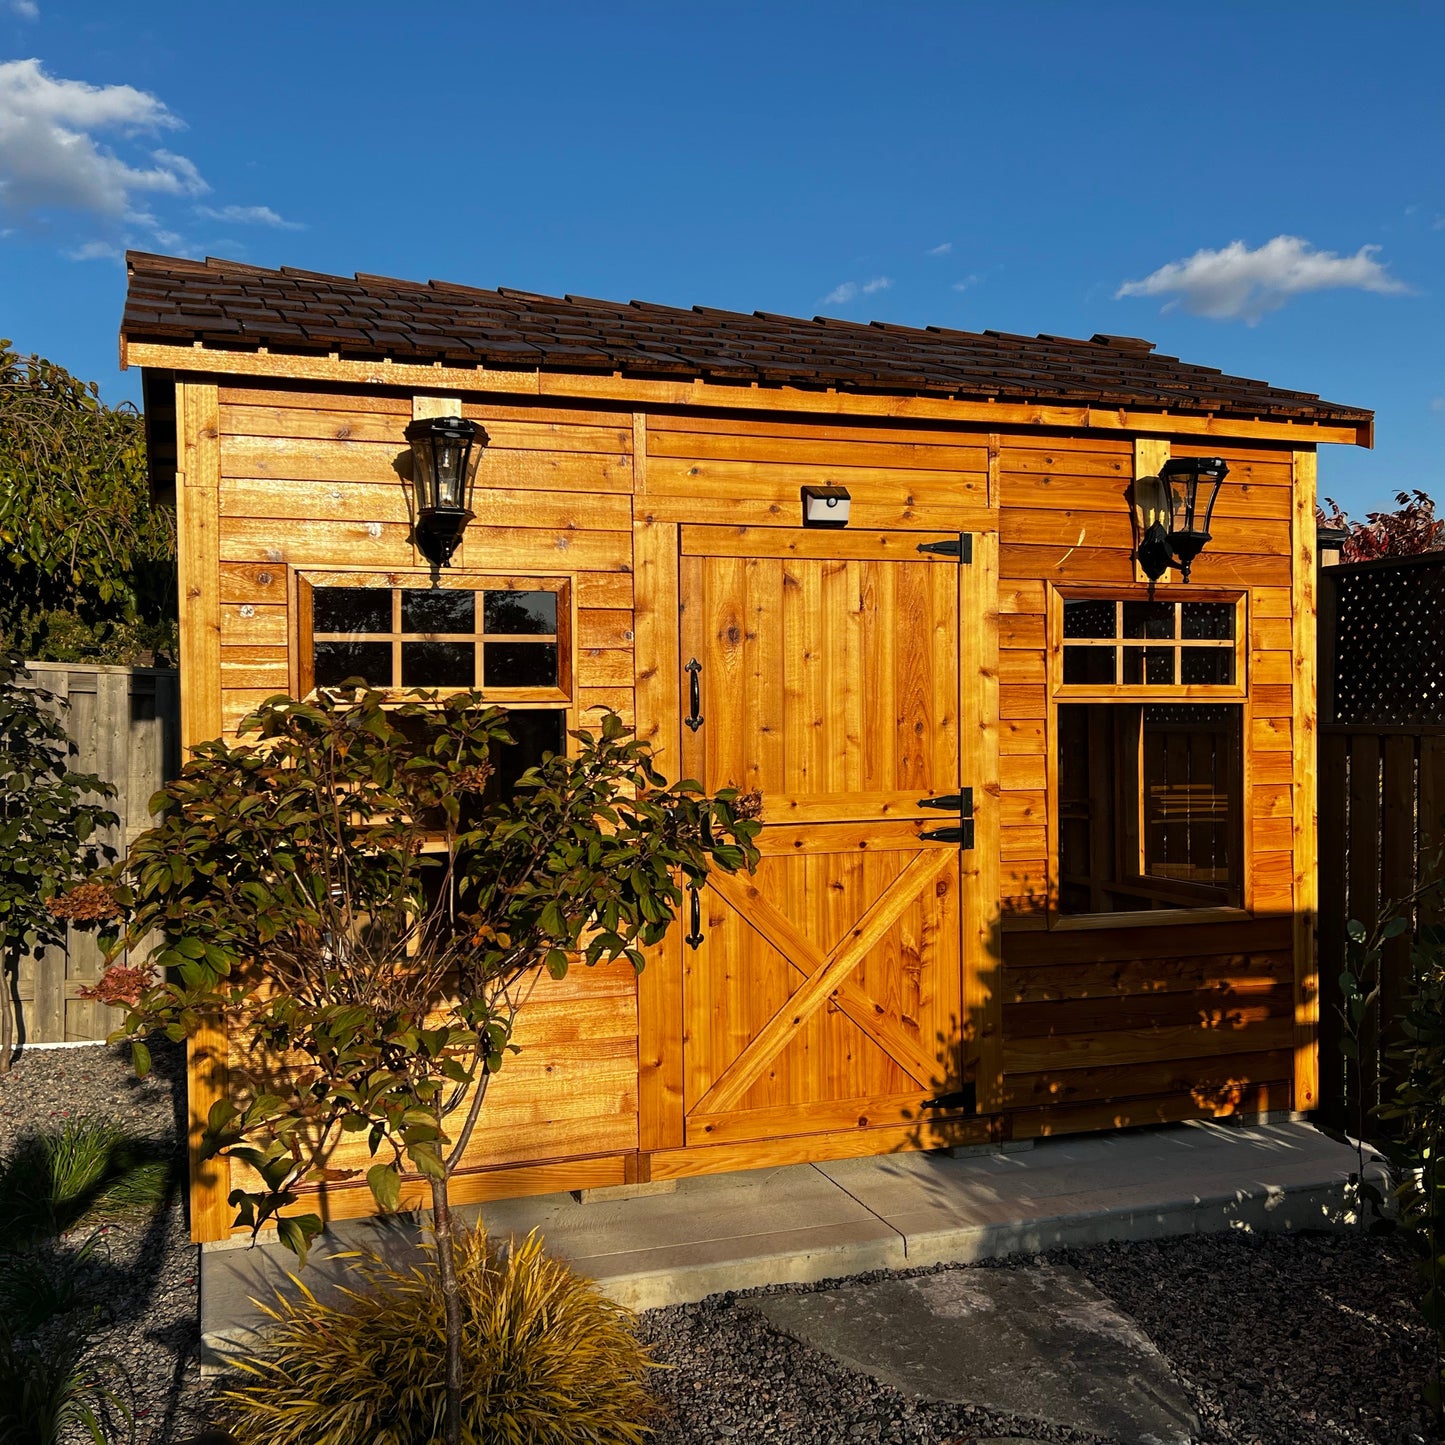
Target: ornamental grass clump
x,y
546,1359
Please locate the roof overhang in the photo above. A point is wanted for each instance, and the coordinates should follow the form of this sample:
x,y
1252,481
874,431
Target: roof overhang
x,y
640,392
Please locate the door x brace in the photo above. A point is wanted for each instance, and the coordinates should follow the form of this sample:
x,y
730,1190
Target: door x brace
x,y
826,976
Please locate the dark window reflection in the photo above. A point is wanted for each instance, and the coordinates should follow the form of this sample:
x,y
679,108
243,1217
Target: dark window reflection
x,y
445,609
520,612
351,609
1148,619
521,664
438,664
338,661
1089,665
1152,665
1208,619
1089,619
1211,666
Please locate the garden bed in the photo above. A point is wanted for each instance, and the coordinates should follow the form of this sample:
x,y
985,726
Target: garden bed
x,y
1276,1339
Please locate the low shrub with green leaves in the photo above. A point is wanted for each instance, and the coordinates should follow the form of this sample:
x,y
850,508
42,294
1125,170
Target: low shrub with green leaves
x,y
546,1359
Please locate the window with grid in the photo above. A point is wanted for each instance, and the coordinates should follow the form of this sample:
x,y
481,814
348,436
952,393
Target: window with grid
x,y
507,637
1152,644
1149,721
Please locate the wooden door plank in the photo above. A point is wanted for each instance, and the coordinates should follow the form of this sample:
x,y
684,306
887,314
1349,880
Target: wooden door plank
x,y
659,723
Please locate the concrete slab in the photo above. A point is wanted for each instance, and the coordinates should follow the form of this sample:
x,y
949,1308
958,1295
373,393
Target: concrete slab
x,y
1041,1344
806,1222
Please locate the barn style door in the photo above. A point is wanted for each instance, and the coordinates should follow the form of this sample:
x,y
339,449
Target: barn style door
x,y
824,991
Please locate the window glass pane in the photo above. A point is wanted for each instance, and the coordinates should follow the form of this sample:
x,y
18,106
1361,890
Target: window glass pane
x,y
538,731
443,609
1191,794
1150,807
1207,619
521,664
1148,619
1151,665
438,664
1089,619
521,612
335,662
1207,666
1089,665
351,609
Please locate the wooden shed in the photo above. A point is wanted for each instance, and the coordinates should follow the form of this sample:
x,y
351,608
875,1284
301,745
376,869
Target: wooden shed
x,y
1039,852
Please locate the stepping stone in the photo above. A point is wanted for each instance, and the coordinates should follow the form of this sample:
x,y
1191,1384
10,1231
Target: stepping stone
x,y
1039,1343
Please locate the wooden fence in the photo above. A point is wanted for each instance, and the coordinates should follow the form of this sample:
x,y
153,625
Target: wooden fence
x,y
1382,793
125,725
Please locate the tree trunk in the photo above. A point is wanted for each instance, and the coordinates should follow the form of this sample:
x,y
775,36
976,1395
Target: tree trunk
x,y
8,989
451,1294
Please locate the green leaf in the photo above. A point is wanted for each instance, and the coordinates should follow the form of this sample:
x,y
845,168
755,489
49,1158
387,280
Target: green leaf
x,y
140,1059
385,1185
297,1232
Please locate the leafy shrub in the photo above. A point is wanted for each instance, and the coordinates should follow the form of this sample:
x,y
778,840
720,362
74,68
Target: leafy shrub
x,y
90,1170
547,1360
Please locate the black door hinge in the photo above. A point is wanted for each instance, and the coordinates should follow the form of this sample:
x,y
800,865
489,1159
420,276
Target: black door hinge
x,y
962,834
960,802
965,1098
962,548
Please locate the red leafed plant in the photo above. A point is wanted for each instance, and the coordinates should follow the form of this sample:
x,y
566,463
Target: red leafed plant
x,y
1412,528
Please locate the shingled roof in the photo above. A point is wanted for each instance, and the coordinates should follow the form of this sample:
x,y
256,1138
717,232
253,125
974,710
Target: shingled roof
x,y
232,306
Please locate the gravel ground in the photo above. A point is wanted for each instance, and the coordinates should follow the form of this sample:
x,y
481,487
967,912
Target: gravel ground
x,y
1277,1339
145,1272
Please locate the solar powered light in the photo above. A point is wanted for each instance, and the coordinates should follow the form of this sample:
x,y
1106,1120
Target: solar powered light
x,y
826,506
1174,530
441,449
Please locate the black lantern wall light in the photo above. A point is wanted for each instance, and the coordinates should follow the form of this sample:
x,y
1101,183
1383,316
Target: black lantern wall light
x,y
1176,523
441,450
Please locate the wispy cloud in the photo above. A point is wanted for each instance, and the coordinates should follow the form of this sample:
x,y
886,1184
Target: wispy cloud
x,y
1235,283
25,9
249,216
852,290
965,283
942,250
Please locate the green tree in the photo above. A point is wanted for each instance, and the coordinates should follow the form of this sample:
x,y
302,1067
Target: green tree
x,y
48,819
88,562
353,893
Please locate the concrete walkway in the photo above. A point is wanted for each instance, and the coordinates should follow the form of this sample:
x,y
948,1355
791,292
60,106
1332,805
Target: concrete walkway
x,y
818,1221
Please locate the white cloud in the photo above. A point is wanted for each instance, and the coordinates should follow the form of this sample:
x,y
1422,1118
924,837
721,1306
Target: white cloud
x,y
51,160
25,9
942,250
965,283
248,216
1237,283
851,291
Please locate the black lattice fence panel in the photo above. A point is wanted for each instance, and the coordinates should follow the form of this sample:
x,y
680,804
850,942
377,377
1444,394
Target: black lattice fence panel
x,y
1381,794
1389,641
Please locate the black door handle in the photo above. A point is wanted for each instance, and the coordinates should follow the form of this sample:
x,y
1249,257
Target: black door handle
x,y
694,937
694,695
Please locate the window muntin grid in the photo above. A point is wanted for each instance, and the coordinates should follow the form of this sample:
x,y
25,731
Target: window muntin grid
x,y
1151,644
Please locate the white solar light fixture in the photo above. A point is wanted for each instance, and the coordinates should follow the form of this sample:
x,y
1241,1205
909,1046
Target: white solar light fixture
x,y
826,506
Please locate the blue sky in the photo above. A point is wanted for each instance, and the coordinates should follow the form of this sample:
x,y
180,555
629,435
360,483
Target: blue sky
x,y
1253,186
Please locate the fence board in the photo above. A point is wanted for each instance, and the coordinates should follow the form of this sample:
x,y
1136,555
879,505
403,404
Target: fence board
x,y
124,725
